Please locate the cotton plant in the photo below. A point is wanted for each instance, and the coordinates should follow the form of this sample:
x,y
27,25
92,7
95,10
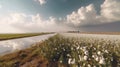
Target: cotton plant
x,y
82,51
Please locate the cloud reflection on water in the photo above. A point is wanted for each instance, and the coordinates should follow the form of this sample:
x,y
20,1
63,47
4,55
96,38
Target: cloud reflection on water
x,y
8,46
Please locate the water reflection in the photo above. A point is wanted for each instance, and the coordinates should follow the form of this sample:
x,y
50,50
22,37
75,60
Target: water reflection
x,y
8,46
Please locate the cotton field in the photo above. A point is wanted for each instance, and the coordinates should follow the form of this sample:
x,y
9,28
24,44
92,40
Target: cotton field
x,y
83,50
68,50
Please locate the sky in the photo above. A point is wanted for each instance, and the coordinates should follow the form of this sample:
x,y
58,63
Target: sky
x,y
21,16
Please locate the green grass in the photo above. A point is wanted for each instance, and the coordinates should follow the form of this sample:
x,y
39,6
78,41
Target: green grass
x,y
57,50
14,36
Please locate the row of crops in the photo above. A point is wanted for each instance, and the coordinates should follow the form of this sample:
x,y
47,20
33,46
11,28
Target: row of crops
x,y
81,51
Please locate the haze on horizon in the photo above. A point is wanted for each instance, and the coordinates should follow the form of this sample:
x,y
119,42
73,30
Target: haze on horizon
x,y
21,16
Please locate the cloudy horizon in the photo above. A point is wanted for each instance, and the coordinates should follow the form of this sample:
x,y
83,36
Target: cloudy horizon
x,y
21,16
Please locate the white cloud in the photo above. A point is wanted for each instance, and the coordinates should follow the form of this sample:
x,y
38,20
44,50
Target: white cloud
x,y
20,22
84,15
8,20
41,1
110,12
110,9
5,28
13,18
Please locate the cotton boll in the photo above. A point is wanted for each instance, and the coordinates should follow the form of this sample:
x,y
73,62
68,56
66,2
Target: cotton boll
x,y
101,60
85,57
99,53
71,61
